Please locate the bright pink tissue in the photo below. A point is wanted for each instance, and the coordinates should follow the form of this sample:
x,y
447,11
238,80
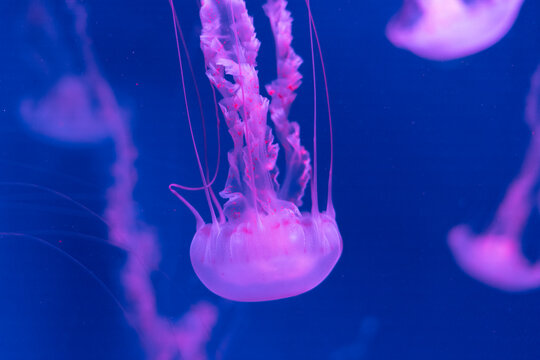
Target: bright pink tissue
x,y
495,257
450,29
265,249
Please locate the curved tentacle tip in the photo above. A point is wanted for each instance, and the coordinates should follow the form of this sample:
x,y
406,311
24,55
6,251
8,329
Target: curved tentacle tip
x,y
198,218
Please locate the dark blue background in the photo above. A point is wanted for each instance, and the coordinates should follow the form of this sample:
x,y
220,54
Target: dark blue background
x,y
420,147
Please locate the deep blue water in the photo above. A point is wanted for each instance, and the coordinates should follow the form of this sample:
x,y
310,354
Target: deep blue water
x,y
420,147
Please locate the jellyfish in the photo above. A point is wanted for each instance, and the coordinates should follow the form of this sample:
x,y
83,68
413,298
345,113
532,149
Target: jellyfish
x,y
449,29
84,109
76,109
495,256
261,247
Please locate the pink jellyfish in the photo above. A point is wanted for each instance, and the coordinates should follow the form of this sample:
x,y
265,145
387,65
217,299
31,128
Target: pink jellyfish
x,y
77,108
495,257
261,247
84,109
450,29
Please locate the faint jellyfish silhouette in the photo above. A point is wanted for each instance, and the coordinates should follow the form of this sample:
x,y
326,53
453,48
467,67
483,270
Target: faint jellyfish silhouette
x,y
265,249
495,257
450,29
369,327
66,113
84,109
76,109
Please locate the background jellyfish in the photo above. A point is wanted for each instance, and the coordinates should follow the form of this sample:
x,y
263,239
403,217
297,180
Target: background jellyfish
x,y
265,249
77,108
84,109
450,29
495,256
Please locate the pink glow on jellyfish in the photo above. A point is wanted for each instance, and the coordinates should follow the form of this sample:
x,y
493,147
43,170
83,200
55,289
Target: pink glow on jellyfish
x,y
450,29
76,110
265,249
495,257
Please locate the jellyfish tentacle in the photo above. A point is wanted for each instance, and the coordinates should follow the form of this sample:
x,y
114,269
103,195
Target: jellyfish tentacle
x,y
203,118
230,47
519,200
102,117
314,172
283,93
198,217
248,157
176,23
330,211
191,207
76,262
209,184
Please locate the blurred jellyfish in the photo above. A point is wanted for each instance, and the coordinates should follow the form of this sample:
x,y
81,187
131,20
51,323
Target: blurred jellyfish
x,y
261,247
495,257
77,109
450,29
84,109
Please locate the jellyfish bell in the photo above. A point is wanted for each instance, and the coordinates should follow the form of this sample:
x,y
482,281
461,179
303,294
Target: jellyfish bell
x,y
282,255
68,113
494,259
260,247
450,29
